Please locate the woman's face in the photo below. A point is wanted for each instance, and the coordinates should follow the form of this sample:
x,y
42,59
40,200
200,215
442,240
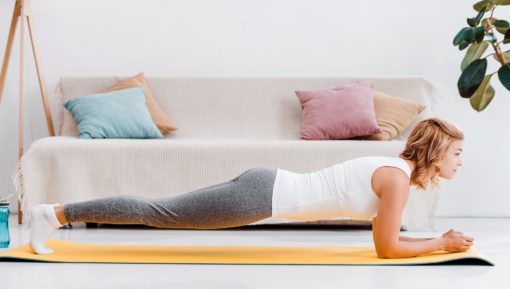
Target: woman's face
x,y
451,160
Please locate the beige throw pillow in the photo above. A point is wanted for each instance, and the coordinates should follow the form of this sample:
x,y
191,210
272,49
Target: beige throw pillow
x,y
157,114
393,114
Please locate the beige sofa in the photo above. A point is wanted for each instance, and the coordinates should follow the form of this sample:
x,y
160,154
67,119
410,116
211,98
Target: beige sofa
x,y
225,126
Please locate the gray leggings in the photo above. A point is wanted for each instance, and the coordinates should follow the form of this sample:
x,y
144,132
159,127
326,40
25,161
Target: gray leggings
x,y
240,201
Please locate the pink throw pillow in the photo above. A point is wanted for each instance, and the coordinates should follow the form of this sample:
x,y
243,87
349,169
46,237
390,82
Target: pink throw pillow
x,y
338,113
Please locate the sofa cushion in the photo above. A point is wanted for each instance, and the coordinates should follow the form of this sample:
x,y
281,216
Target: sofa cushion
x,y
159,117
338,113
394,114
118,114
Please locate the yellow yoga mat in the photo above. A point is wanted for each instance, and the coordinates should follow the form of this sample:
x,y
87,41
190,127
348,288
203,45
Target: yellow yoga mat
x,y
72,252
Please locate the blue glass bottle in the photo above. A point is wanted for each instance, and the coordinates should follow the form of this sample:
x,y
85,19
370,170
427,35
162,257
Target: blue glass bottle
x,y
4,225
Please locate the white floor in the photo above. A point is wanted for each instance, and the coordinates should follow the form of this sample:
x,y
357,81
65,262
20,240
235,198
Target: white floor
x,y
492,237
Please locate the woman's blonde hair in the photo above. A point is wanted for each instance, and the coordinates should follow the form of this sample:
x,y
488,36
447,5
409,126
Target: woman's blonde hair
x,y
426,145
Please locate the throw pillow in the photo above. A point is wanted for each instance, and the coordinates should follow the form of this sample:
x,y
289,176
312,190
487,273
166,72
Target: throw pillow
x,y
339,113
158,115
394,114
117,114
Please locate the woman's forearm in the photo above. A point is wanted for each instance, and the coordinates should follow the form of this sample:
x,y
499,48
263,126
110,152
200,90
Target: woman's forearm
x,y
406,249
411,239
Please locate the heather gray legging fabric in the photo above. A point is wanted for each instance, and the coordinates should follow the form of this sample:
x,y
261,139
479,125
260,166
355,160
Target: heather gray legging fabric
x,y
240,201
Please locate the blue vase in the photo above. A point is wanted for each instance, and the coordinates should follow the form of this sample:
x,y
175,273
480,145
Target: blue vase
x,y
4,225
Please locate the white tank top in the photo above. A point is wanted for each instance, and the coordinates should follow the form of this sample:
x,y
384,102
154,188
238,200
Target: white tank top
x,y
341,190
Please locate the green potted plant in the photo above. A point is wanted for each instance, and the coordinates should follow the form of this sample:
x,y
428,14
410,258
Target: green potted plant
x,y
474,82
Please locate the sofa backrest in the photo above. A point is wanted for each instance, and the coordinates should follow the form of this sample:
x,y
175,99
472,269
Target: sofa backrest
x,y
244,108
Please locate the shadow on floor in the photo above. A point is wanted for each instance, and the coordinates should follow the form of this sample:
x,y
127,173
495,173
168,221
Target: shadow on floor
x,y
247,227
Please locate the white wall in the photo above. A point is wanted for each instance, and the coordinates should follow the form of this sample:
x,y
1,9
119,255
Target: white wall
x,y
268,38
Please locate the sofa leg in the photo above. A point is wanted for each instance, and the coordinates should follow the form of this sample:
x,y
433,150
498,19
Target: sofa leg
x,y
91,225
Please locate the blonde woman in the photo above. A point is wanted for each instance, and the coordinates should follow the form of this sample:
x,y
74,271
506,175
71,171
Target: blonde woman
x,y
372,188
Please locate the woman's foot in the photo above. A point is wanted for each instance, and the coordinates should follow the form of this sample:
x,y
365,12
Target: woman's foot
x,y
43,223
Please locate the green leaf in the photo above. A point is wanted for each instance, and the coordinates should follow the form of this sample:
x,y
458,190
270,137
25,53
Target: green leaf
x,y
484,3
483,95
475,51
479,33
472,77
501,2
469,35
504,75
507,37
506,56
460,36
473,22
501,26
463,45
479,16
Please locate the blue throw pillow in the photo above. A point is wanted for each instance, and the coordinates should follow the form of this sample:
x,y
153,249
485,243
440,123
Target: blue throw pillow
x,y
118,114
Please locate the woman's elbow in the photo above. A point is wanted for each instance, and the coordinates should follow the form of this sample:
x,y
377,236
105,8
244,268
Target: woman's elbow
x,y
387,253
385,256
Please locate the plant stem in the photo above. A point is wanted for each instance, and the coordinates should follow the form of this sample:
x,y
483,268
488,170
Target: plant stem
x,y
496,47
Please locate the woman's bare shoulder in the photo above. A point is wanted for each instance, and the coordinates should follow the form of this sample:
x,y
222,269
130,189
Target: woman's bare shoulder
x,y
387,177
